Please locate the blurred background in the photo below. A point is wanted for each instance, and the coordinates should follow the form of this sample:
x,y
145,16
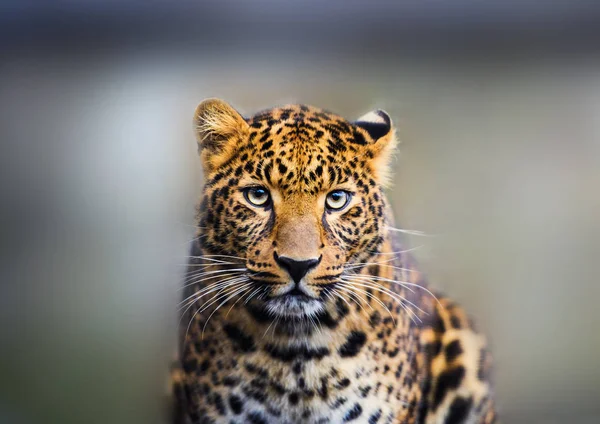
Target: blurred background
x,y
498,110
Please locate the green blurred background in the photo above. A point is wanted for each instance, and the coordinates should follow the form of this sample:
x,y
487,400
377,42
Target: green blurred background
x,y
498,113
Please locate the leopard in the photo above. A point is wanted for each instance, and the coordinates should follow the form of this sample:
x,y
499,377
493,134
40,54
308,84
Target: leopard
x,y
301,301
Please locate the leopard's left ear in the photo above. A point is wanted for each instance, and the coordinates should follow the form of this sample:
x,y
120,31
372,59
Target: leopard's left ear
x,y
378,126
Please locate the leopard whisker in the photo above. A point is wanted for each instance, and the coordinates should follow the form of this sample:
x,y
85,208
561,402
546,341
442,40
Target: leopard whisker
x,y
372,297
412,249
235,303
208,287
327,292
338,294
210,259
379,287
369,263
200,309
410,232
202,273
236,292
223,256
206,291
252,294
355,296
400,299
273,322
198,279
401,283
382,264
210,302
212,264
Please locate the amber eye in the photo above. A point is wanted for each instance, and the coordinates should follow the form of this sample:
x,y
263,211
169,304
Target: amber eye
x,y
337,200
257,196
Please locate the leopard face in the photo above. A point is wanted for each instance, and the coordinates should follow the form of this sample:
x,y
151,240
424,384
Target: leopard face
x,y
294,219
296,194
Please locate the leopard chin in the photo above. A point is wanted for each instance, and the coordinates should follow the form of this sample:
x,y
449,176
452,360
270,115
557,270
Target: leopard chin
x,y
294,304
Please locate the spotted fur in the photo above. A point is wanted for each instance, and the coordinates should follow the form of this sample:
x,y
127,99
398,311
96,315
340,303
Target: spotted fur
x,y
359,338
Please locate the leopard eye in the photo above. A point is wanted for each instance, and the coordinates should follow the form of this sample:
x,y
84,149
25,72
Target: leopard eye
x,y
337,200
257,196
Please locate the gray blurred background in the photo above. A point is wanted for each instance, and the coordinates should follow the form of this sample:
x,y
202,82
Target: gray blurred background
x,y
497,106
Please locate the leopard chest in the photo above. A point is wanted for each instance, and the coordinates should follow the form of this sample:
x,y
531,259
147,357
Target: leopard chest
x,y
376,384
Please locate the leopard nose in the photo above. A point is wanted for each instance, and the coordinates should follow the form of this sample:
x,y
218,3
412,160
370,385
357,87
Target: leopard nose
x,y
297,269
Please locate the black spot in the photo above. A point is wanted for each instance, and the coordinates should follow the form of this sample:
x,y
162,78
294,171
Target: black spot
x,y
259,313
455,322
459,410
375,417
294,398
438,324
355,342
203,367
452,350
255,394
448,380
239,338
323,390
231,381
278,387
219,404
288,354
256,418
190,365
433,349
375,319
364,391
339,402
354,413
345,382
282,168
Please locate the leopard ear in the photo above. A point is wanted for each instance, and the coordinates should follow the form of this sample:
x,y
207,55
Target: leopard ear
x,y
219,131
378,126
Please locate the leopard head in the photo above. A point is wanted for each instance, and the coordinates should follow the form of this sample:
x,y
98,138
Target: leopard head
x,y
296,193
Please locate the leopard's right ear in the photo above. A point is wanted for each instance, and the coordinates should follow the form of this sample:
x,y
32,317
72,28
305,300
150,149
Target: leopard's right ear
x,y
220,129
